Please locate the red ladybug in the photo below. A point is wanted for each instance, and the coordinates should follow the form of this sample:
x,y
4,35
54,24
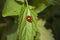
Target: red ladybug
x,y
28,18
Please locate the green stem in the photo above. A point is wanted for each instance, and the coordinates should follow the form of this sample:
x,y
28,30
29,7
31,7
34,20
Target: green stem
x,y
26,3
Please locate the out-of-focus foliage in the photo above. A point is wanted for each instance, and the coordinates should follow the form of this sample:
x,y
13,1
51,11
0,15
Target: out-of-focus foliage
x,y
52,16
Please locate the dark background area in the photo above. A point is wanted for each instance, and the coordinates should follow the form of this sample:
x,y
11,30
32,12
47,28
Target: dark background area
x,y
51,14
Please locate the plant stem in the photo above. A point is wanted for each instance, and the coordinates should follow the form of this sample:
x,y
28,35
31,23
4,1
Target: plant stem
x,y
26,3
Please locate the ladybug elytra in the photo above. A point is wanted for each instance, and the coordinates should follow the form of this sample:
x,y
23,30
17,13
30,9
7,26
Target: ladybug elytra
x,y
28,18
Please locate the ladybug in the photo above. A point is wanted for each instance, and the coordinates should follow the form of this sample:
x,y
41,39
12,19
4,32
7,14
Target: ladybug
x,y
29,18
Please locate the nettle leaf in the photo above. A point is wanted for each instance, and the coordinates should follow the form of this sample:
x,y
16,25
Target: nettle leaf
x,y
26,30
11,8
44,33
39,5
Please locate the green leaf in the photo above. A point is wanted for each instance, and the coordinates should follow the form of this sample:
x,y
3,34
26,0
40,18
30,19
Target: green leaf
x,y
11,8
39,5
44,33
26,30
